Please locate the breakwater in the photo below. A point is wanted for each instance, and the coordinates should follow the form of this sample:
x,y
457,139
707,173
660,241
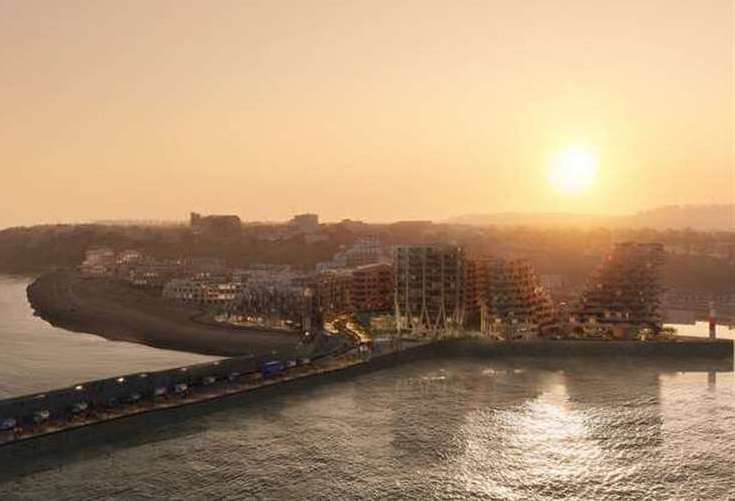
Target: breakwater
x,y
100,401
91,402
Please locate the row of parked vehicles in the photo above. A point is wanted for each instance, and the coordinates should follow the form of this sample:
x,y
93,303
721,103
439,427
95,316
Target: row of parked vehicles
x,y
266,370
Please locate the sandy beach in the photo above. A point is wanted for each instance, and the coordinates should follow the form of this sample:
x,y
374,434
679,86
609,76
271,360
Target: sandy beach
x,y
116,311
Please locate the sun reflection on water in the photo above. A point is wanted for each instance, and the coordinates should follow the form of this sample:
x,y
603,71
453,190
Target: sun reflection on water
x,y
546,441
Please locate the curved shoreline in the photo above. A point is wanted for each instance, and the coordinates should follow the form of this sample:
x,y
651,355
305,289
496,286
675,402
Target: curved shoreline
x,y
115,311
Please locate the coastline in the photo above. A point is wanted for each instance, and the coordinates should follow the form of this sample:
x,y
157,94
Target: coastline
x,y
118,312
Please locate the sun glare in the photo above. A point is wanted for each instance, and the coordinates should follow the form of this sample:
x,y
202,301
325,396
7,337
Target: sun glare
x,y
573,170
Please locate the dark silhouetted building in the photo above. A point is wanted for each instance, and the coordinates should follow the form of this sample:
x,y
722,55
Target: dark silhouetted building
x,y
625,288
215,225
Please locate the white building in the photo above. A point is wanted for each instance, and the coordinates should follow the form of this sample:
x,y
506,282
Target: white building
x,y
365,250
202,292
98,262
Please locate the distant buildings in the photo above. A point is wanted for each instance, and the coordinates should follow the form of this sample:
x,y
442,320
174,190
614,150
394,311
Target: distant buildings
x,y
301,225
625,290
103,261
354,226
222,226
222,293
306,223
98,262
365,250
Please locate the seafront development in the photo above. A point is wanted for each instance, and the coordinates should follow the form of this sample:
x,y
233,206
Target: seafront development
x,y
370,306
424,250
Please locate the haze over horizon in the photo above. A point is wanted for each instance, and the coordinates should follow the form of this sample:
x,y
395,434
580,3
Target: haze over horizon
x,y
369,110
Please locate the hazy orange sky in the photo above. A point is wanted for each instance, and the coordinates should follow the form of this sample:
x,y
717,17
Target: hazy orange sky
x,y
379,110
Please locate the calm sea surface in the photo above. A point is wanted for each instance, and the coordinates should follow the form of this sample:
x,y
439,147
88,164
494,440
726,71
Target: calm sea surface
x,y
35,356
442,429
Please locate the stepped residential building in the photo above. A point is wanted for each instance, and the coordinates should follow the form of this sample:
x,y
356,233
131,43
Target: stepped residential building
x,y
429,287
625,289
512,301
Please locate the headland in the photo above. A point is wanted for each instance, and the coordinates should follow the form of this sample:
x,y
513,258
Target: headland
x,y
111,309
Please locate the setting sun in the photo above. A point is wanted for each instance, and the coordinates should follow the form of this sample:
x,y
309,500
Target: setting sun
x,y
573,170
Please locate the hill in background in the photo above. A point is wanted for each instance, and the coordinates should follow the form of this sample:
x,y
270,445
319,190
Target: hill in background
x,y
696,217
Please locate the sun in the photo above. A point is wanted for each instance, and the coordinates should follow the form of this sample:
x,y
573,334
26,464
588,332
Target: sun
x,y
573,170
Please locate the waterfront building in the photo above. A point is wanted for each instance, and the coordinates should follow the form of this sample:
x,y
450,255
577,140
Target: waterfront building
x,y
98,262
429,287
512,301
334,291
625,289
150,273
203,292
367,288
472,294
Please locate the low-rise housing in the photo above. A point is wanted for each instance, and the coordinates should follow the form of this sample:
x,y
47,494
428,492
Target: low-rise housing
x,y
203,292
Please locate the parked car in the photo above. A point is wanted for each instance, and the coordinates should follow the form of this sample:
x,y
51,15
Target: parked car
x,y
79,407
41,416
270,369
7,424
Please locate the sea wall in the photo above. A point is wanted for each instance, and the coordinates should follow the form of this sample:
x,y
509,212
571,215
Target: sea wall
x,y
694,355
118,390
684,348
103,392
